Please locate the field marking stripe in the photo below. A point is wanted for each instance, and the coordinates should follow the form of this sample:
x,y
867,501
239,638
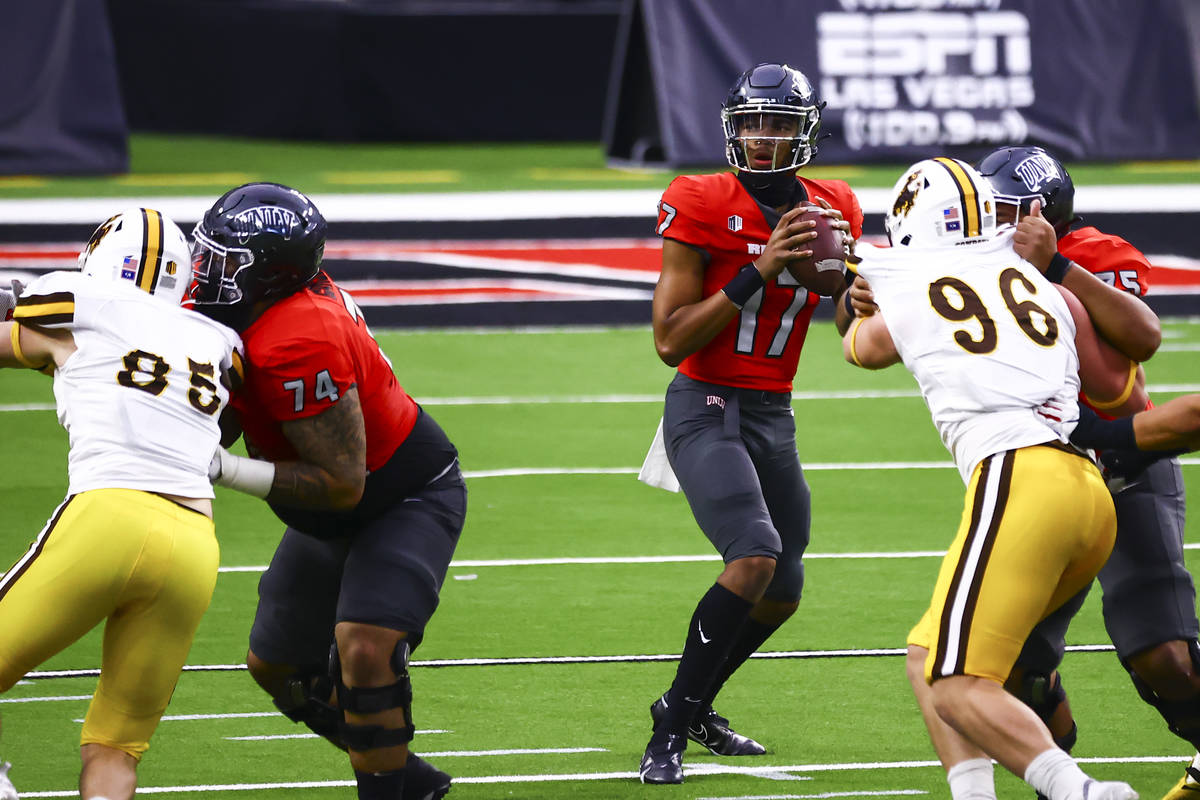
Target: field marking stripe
x,y
485,662
570,399
268,738
675,559
703,769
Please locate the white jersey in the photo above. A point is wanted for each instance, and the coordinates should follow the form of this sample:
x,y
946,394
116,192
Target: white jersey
x,y
141,395
987,337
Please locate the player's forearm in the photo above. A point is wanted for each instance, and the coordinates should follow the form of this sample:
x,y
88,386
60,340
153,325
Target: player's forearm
x,y
690,327
302,485
1121,318
868,344
1173,425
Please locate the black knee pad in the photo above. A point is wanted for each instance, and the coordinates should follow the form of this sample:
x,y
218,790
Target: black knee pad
x,y
1182,716
371,700
1042,692
307,700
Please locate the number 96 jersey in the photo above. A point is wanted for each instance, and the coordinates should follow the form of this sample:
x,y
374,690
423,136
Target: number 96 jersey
x,y
987,337
141,395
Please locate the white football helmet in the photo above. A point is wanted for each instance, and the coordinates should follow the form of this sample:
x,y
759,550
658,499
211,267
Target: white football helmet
x,y
939,202
141,246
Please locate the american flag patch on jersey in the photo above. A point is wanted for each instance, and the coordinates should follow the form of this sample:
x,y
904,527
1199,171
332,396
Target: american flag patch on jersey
x,y
950,218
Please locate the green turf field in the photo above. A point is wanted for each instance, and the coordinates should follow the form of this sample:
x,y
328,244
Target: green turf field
x,y
193,165
566,555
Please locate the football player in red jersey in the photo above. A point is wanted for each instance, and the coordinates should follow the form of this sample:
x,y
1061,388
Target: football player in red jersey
x,y
729,315
367,482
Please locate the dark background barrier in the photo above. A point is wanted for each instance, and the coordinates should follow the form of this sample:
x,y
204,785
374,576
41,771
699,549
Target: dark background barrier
x,y
509,70
60,103
1089,79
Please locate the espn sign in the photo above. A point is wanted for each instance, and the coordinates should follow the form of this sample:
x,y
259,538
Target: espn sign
x,y
926,77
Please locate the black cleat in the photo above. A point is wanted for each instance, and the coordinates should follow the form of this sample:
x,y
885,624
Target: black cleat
x,y
663,763
423,781
712,730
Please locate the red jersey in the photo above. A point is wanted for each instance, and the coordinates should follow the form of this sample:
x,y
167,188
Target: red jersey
x,y
761,347
302,355
1112,260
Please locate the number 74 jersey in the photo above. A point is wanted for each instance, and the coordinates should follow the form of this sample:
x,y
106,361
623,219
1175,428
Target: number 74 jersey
x,y
141,395
987,337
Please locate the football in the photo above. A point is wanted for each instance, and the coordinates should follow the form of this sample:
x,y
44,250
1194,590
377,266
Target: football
x,y
824,272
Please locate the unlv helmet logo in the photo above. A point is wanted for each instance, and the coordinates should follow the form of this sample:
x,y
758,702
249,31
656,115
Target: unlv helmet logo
x,y
1037,170
265,219
735,223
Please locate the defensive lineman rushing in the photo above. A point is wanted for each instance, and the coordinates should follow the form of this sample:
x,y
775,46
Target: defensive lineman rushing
x,y
729,316
1149,598
990,341
367,482
139,384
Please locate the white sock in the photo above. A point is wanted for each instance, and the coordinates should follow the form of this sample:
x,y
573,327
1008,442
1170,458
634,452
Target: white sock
x,y
1056,775
972,780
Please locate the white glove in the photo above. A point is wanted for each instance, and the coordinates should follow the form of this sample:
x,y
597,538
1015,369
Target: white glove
x,y
8,301
241,474
7,792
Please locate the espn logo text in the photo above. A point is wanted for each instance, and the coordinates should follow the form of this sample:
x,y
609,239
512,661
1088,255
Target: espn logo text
x,y
926,77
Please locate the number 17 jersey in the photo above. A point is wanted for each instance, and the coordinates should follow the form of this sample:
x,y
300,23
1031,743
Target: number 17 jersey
x,y
760,348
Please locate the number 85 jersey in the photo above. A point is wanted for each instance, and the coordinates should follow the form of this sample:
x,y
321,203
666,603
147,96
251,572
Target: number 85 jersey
x,y
141,396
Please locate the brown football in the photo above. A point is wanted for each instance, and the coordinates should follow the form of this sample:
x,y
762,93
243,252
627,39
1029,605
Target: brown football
x,y
824,273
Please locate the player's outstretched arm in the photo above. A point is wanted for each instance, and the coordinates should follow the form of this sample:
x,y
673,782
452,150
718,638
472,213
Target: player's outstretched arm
x,y
1174,425
869,344
1120,317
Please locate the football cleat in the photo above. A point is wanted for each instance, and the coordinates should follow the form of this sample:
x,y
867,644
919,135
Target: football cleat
x,y
1188,787
7,790
663,763
1108,790
712,730
424,781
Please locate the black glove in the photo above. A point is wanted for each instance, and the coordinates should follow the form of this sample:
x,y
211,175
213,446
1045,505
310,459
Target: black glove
x,y
1127,465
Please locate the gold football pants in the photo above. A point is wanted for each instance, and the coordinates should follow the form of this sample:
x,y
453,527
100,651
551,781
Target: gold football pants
x,y
142,562
1037,525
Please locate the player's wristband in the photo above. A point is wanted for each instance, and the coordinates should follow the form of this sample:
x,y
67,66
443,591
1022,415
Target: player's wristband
x,y
1103,434
847,304
247,475
744,285
1059,264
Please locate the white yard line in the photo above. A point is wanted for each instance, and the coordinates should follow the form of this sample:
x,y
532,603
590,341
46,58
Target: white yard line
x,y
698,769
874,652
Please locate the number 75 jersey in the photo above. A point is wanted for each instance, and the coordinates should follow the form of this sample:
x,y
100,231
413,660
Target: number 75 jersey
x,y
141,396
987,337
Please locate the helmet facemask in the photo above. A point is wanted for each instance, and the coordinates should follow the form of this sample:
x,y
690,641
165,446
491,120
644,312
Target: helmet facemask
x,y
216,268
753,127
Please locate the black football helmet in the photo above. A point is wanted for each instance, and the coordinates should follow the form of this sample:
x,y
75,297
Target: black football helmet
x,y
771,89
260,241
1019,175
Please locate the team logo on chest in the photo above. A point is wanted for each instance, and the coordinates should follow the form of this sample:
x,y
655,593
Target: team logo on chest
x,y
734,223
